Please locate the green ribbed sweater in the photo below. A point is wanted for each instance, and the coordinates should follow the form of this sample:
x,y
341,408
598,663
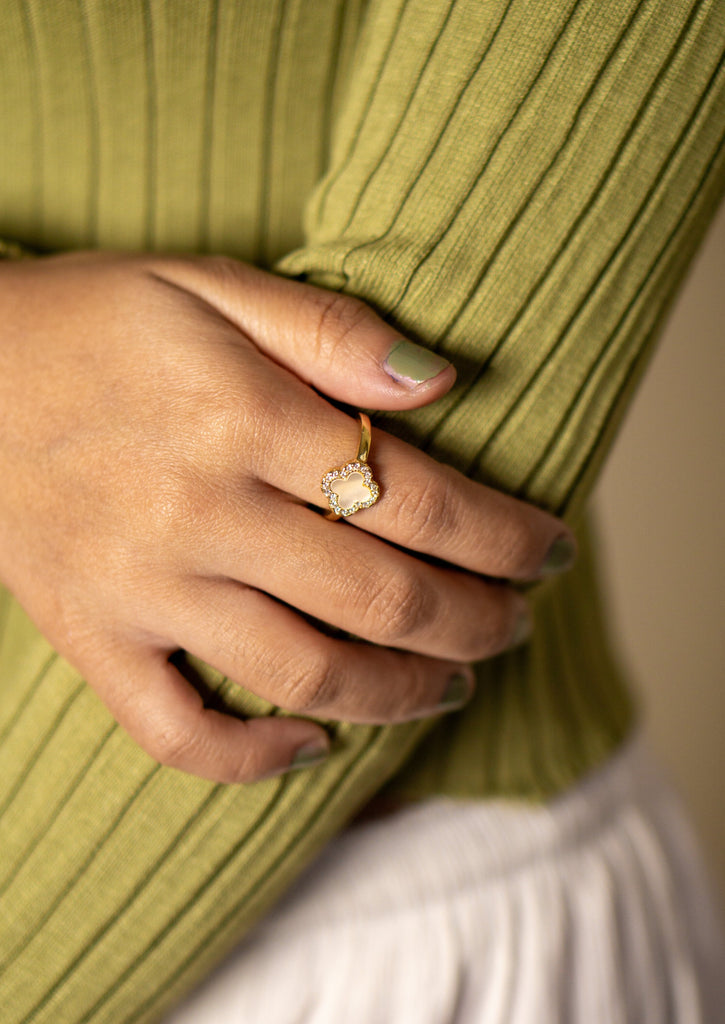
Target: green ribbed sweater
x,y
519,185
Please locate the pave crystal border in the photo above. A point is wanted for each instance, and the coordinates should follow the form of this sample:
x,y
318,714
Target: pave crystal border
x,y
342,473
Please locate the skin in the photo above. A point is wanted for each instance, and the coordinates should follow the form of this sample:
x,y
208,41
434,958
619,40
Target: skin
x,y
165,434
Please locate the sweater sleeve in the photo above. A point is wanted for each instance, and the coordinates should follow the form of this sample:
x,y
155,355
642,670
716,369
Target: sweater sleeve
x,y
518,185
524,195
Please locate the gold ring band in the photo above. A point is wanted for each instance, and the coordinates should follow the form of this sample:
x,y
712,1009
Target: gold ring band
x,y
352,487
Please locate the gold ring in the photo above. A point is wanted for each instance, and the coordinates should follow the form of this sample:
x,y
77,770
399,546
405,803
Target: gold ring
x,y
350,488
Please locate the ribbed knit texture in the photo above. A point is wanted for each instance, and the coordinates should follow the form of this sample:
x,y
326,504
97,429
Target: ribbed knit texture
x,y
520,186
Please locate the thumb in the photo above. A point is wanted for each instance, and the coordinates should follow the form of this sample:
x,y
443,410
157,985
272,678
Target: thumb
x,y
332,341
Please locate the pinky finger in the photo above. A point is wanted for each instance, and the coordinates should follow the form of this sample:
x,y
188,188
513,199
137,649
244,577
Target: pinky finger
x,y
165,715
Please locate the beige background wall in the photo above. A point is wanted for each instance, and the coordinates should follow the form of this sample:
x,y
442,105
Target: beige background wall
x,y
662,513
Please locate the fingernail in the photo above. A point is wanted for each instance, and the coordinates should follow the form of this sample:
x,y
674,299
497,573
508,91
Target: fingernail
x,y
458,692
559,557
522,630
308,755
412,364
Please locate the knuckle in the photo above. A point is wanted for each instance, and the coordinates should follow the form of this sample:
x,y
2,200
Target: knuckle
x,y
496,630
232,412
313,684
178,508
191,486
398,608
195,273
518,548
173,745
249,767
336,317
239,417
427,515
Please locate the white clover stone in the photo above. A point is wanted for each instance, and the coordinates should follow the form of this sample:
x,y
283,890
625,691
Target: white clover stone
x,y
350,488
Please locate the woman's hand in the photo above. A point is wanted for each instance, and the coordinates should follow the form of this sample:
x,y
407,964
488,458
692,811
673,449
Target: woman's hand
x,y
161,444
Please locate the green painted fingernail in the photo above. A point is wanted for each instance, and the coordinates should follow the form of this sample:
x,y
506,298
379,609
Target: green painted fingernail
x,y
559,557
457,693
305,756
308,755
522,630
412,364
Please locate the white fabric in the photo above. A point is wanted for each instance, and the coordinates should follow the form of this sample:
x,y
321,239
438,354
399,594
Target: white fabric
x,y
590,910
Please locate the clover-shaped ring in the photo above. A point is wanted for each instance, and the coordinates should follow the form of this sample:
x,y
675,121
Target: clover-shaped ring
x,y
350,488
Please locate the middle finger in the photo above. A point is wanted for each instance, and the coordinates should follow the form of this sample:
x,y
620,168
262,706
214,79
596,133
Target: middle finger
x,y
354,580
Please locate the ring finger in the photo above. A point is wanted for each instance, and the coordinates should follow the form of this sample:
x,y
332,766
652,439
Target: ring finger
x,y
424,505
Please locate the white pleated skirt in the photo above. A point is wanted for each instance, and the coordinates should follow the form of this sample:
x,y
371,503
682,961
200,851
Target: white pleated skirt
x,y
593,909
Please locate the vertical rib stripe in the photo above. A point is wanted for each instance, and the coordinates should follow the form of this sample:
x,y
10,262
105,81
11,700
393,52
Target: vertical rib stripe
x,y
626,389
38,121
574,702
35,684
325,144
653,270
150,118
355,137
112,920
93,133
685,254
435,39
20,947
501,242
208,129
642,210
438,141
38,837
41,747
261,246
576,223
598,654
